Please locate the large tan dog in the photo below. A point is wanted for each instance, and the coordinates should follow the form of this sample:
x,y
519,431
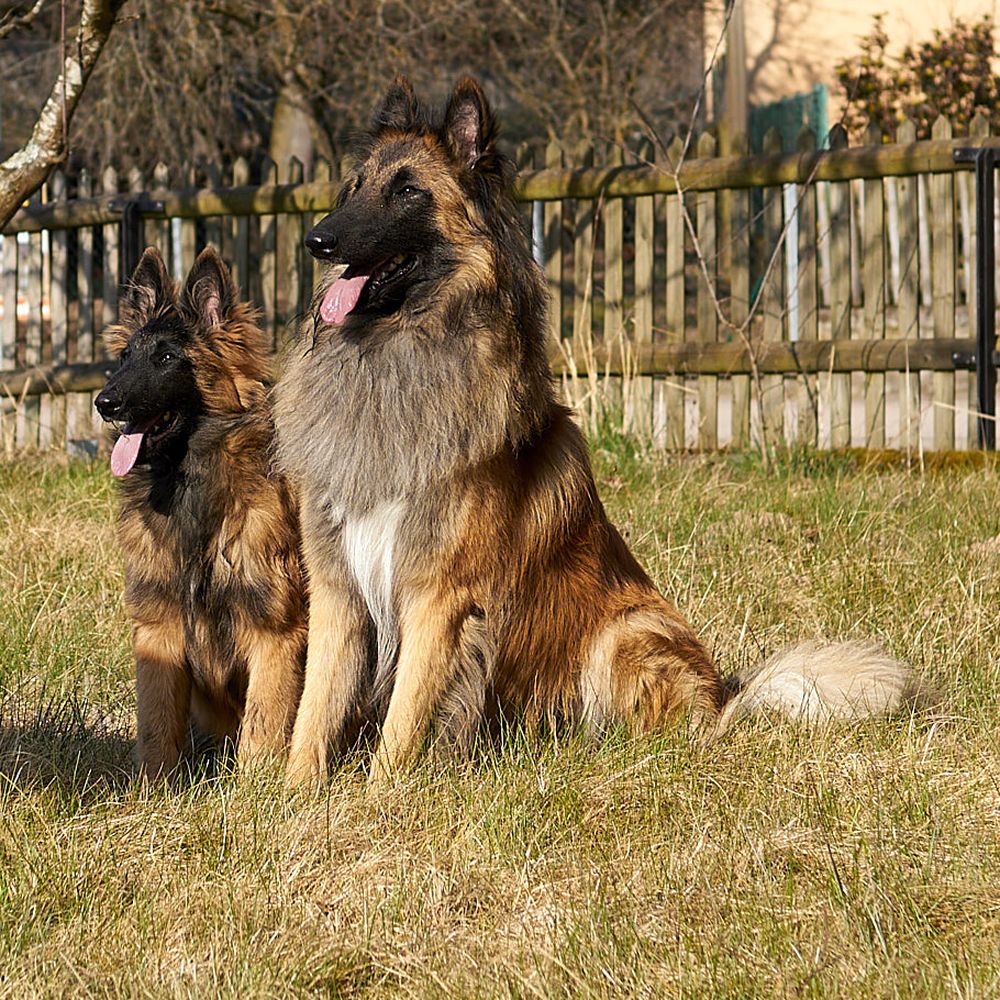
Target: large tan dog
x,y
213,577
460,560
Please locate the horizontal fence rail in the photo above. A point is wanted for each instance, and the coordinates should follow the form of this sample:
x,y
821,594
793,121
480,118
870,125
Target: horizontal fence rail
x,y
626,181
820,296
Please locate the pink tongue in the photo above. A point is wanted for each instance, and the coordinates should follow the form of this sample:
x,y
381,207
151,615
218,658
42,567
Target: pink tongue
x,y
341,297
125,453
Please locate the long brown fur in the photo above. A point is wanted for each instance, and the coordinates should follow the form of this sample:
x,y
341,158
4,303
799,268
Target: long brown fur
x,y
460,559
213,578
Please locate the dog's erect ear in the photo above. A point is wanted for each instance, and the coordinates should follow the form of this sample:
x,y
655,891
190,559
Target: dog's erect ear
x,y
209,292
149,291
398,109
469,124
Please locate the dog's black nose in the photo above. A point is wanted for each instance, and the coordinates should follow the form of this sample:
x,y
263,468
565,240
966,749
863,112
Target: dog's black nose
x,y
321,244
108,405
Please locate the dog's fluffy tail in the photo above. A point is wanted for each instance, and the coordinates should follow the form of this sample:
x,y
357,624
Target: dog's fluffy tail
x,y
814,681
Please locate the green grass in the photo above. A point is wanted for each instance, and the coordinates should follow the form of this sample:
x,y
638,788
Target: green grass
x,y
855,861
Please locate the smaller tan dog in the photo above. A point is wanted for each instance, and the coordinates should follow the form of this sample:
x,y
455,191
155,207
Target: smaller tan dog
x,y
213,578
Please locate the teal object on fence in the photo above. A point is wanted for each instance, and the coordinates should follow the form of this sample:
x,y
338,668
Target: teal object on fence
x,y
789,115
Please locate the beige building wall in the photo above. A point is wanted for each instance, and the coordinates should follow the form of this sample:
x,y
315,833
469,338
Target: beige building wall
x,y
794,44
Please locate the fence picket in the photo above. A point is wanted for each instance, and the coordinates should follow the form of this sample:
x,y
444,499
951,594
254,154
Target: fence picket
x,y
707,319
584,221
908,293
240,234
322,173
874,285
215,231
189,237
9,340
840,295
78,404
644,272
675,320
289,295
552,223
739,308
613,213
806,387
772,398
161,233
30,410
268,263
52,432
942,188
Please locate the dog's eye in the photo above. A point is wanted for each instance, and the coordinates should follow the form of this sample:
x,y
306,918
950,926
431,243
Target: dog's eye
x,y
166,357
408,191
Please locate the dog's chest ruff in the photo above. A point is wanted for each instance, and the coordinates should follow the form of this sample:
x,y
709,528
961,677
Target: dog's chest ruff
x,y
370,542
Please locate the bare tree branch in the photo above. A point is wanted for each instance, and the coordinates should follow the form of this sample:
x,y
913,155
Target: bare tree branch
x,y
24,171
12,22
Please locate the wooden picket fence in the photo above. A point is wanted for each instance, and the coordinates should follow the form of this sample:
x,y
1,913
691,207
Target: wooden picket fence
x,y
820,297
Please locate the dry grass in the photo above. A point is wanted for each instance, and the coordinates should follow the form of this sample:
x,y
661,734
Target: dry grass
x,y
846,862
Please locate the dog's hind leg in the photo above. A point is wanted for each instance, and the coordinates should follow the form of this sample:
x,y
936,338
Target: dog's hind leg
x,y
459,719
163,694
645,668
430,634
273,689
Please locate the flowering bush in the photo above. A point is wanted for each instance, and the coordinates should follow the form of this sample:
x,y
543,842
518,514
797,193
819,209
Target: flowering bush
x,y
950,75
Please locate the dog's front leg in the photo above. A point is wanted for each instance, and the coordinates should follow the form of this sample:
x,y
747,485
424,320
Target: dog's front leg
x,y
335,667
429,634
163,694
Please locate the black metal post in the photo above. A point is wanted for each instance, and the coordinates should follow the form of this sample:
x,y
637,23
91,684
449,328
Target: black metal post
x,y
131,237
985,160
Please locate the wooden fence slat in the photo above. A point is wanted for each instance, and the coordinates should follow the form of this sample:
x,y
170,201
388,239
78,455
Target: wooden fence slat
x,y
215,231
136,181
772,398
78,404
30,410
8,339
552,222
290,234
840,295
613,213
240,234
874,285
162,236
268,263
584,222
807,386
908,293
189,239
109,291
707,318
942,190
739,309
644,264
52,432
322,173
674,311
658,418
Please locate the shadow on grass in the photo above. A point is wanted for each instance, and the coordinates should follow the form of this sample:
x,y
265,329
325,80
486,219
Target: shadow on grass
x,y
61,740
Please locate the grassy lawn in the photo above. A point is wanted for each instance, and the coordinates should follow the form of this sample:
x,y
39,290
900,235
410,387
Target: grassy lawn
x,y
848,862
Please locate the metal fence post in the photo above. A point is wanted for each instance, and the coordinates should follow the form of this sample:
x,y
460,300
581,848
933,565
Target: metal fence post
x,y
985,161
